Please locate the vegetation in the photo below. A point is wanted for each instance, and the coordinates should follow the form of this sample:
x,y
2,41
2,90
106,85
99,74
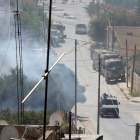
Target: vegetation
x,y
129,4
121,89
118,16
31,20
59,94
30,117
134,94
65,128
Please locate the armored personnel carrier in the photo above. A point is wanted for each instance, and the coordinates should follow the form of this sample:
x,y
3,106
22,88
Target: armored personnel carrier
x,y
109,105
114,69
105,57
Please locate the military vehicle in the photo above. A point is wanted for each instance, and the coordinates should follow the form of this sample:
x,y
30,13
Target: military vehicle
x,y
105,57
96,56
94,46
114,69
59,28
109,105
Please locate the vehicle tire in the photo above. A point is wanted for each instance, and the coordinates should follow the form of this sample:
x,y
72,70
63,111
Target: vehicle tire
x,y
102,115
107,80
117,116
123,78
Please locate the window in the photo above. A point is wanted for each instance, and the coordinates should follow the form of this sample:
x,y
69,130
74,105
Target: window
x,y
129,33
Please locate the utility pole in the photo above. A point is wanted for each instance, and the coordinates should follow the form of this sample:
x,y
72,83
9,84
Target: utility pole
x,y
137,131
76,83
126,64
98,9
98,119
47,70
132,77
105,31
19,63
70,125
108,37
113,39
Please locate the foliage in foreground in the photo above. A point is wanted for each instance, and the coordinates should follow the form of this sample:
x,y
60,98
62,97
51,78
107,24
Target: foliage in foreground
x,y
30,117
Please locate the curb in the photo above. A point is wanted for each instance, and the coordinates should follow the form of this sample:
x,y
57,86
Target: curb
x,y
132,100
85,128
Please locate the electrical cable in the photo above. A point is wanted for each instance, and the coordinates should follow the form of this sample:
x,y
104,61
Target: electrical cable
x,y
84,61
6,50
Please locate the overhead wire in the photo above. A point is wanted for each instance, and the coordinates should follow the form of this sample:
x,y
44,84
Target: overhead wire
x,y
6,49
84,61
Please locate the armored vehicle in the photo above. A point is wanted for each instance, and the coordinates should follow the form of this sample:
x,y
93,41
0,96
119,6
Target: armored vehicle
x,y
94,46
60,31
109,105
105,57
114,69
96,56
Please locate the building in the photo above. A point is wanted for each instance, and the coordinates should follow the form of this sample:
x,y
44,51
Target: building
x,y
121,33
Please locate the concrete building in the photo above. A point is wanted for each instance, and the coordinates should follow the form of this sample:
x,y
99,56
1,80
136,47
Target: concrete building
x,y
121,33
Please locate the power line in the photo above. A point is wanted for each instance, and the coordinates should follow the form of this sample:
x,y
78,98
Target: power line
x,y
84,61
6,49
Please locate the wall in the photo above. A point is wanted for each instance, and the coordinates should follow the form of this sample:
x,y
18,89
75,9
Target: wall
x,y
120,36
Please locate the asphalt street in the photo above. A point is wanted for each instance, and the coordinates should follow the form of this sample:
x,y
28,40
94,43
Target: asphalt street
x,y
112,128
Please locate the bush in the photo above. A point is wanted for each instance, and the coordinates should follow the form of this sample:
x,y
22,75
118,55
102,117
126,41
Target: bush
x,y
65,128
31,117
134,94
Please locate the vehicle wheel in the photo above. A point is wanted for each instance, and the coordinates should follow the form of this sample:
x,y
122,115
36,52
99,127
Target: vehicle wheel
x,y
123,78
107,80
102,115
117,116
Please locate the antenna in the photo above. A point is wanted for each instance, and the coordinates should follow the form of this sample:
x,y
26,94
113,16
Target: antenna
x,y
3,122
9,132
55,119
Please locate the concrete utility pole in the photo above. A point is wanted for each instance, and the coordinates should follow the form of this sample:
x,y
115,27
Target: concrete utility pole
x,y
132,77
126,64
137,131
98,119
76,83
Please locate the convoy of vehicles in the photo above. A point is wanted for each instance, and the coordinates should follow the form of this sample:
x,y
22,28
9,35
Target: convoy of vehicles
x,y
109,105
112,66
80,29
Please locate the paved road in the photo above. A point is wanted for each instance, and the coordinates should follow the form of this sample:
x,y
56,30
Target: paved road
x,y
111,128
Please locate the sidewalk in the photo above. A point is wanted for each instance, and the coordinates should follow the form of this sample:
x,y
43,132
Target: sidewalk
x,y
126,91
